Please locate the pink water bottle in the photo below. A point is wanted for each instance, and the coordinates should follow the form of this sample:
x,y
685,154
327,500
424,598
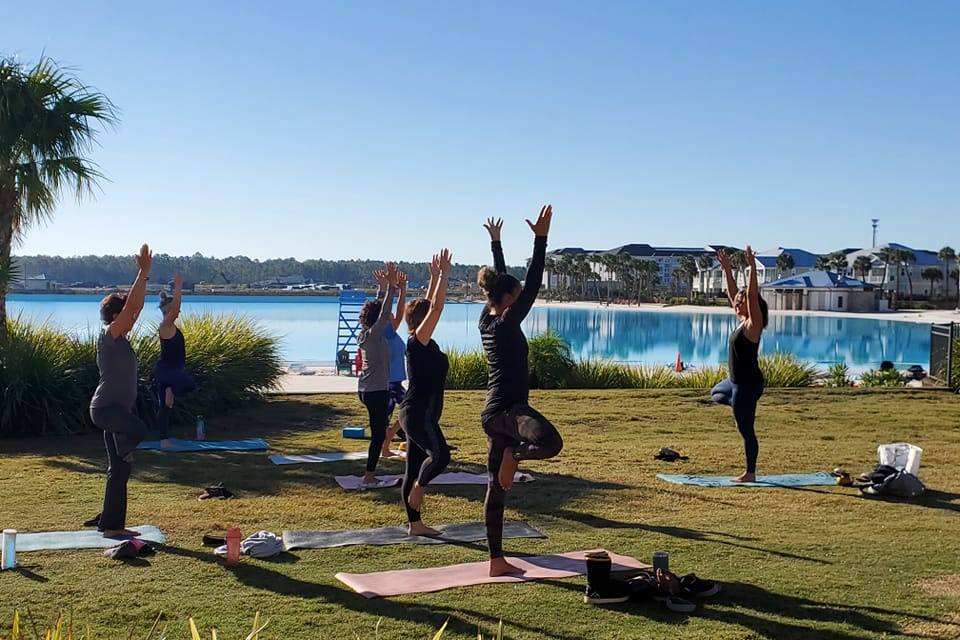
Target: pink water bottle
x,y
233,545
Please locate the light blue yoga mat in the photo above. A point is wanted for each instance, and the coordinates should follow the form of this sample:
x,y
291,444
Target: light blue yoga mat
x,y
186,446
818,479
88,539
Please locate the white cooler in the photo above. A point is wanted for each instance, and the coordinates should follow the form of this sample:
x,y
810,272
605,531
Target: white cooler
x,y
901,455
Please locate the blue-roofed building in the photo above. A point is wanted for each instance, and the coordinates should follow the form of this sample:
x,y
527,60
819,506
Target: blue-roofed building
x,y
821,291
767,269
903,277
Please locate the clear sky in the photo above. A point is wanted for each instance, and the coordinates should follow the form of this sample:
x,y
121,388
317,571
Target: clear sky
x,y
389,129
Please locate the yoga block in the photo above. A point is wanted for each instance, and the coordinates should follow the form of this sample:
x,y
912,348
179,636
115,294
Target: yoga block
x,y
354,432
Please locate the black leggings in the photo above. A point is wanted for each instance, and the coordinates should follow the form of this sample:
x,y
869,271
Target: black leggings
x,y
122,432
378,408
427,451
532,437
743,399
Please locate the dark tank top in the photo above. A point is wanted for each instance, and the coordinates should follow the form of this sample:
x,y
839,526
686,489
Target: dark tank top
x,y
743,363
173,351
427,373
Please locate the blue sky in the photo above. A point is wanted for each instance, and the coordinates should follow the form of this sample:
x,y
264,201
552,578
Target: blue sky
x,y
376,129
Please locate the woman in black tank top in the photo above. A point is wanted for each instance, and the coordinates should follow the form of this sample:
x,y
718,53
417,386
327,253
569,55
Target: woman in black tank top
x,y
742,389
170,377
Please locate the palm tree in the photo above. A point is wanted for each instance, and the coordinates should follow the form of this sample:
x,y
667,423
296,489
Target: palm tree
x,y
838,262
704,265
933,274
906,258
955,274
862,264
947,255
49,120
688,271
785,263
822,263
738,260
888,256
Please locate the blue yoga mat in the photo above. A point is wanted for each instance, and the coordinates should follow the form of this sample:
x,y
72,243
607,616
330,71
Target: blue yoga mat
x,y
87,539
184,446
818,479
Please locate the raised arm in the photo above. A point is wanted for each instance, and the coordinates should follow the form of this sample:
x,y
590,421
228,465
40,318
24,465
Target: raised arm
x,y
173,309
439,277
724,259
386,309
531,285
494,226
401,299
127,317
755,322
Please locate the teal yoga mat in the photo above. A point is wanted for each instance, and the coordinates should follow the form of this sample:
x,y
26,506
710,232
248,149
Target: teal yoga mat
x,y
187,446
88,539
818,479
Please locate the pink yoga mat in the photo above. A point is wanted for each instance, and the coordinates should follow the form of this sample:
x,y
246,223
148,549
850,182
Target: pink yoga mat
x,y
352,483
395,583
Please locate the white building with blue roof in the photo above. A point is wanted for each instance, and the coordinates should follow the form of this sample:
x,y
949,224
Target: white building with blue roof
x,y
822,291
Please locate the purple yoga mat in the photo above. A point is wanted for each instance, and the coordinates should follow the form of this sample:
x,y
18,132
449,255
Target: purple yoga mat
x,y
395,583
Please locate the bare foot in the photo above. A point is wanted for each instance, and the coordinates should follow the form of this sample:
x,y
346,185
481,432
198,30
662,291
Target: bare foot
x,y
745,477
369,477
387,453
500,567
420,529
415,499
508,468
169,398
120,533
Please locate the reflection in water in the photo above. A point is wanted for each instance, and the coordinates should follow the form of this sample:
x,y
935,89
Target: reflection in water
x,y
308,326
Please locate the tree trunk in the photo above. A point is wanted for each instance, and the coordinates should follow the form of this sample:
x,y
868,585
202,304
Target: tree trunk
x,y
7,202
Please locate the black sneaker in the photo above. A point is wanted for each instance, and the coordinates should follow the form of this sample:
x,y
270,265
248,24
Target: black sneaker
x,y
694,586
613,592
642,587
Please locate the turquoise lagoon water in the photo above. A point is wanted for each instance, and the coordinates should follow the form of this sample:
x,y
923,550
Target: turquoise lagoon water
x,y
308,328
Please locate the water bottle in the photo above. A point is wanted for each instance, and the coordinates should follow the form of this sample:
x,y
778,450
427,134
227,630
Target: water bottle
x,y
201,429
8,559
661,560
233,545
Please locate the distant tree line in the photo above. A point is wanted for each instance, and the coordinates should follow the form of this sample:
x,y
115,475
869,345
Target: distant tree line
x,y
235,270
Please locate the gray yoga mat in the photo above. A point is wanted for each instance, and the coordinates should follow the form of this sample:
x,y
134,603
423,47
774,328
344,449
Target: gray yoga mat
x,y
87,539
466,532
330,456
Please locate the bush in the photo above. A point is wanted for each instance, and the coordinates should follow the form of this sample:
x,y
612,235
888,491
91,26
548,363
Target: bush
x,y
703,378
785,370
838,375
468,370
550,361
49,377
881,378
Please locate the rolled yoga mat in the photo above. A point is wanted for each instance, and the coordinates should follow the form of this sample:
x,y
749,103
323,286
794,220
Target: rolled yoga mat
x,y
818,479
395,583
328,456
352,483
87,539
467,532
188,446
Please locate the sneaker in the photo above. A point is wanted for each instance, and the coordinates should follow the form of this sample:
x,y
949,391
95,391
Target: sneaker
x,y
377,484
694,586
677,604
612,592
642,587
668,592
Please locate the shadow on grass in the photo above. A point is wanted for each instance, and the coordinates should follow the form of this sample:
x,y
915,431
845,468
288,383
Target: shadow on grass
x,y
254,574
931,499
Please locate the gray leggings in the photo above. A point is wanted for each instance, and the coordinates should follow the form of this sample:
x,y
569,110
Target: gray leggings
x,y
122,432
532,437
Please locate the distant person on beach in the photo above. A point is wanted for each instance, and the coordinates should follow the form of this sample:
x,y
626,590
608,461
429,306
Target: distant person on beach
x,y
373,385
427,451
398,360
744,385
112,406
515,431
170,377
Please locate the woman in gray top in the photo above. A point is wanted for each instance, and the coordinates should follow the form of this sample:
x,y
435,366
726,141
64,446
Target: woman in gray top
x,y
112,407
374,382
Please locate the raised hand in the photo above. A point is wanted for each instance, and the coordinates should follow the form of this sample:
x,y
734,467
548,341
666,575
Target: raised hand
x,y
749,255
381,277
542,226
392,273
434,266
402,280
724,259
445,259
177,281
494,226
144,259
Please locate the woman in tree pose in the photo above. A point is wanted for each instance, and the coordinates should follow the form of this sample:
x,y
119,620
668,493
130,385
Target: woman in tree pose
x,y
515,431
742,389
112,406
427,450
170,377
374,381
398,361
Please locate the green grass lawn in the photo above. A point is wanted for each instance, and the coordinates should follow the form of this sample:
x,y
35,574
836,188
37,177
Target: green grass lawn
x,y
819,562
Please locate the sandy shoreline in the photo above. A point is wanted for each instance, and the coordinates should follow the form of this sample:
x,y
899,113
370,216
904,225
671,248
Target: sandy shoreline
x,y
923,317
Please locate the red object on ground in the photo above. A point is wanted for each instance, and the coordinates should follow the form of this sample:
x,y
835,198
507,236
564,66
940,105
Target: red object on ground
x,y
233,545
679,363
358,362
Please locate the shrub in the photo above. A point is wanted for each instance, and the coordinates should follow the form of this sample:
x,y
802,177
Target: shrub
x,y
49,377
550,361
785,370
600,374
838,375
468,370
703,378
881,378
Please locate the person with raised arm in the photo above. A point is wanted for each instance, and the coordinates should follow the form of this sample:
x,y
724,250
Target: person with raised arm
x,y
170,377
427,451
112,406
373,384
744,385
515,431
398,363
